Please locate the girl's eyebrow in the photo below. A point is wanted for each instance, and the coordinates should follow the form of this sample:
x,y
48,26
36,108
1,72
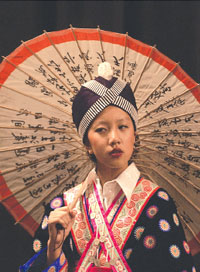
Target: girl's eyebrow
x,y
124,119
105,122
101,122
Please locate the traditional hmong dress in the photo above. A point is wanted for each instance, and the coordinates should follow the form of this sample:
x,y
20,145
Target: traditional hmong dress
x,y
138,230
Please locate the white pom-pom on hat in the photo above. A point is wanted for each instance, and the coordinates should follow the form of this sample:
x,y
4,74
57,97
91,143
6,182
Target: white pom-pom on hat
x,y
105,70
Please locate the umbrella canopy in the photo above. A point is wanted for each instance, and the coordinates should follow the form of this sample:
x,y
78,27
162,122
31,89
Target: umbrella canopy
x,y
41,154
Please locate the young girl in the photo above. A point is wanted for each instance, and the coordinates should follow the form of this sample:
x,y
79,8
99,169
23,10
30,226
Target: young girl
x,y
121,222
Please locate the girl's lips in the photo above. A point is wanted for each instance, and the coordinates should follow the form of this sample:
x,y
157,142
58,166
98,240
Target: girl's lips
x,y
116,153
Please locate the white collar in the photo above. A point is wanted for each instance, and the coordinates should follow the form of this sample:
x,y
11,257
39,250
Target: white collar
x,y
127,180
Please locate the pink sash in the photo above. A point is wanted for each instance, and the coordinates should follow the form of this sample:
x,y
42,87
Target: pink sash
x,y
94,227
100,269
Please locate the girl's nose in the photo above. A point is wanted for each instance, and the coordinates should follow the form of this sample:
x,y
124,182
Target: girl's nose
x,y
114,137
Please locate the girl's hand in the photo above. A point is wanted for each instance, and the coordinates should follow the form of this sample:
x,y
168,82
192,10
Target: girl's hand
x,y
57,237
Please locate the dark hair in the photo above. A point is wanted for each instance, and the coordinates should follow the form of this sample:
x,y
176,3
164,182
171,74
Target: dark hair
x,y
87,144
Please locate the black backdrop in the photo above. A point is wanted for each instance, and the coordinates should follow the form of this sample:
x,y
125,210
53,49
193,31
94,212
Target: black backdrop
x,y
174,26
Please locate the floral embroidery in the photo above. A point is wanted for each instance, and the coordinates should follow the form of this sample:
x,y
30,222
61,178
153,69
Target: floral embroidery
x,y
152,211
52,269
186,247
82,225
147,188
138,232
116,231
118,240
79,234
119,265
37,245
135,197
82,243
176,220
56,203
163,195
62,259
130,204
127,221
132,212
175,251
44,222
149,242
79,217
164,225
143,195
146,183
120,223
127,253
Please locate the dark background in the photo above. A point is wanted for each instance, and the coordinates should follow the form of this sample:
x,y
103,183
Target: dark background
x,y
174,26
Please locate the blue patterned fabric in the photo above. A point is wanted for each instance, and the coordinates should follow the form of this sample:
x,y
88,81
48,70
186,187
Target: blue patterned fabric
x,y
38,263
41,256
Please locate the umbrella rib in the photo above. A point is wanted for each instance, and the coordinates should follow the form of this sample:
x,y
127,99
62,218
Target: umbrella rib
x,y
68,175
190,229
143,153
164,78
26,112
101,44
59,53
175,188
82,54
124,60
177,116
176,158
197,188
40,60
37,145
27,74
42,200
52,142
25,165
41,101
35,181
143,69
167,102
42,129
164,132
165,143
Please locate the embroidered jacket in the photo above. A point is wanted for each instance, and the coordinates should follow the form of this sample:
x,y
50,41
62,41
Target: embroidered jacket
x,y
142,234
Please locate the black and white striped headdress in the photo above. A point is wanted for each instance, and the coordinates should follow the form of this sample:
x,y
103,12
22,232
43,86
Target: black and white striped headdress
x,y
95,95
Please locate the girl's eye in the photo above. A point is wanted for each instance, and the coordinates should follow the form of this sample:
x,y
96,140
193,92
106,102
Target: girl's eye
x,y
99,130
123,126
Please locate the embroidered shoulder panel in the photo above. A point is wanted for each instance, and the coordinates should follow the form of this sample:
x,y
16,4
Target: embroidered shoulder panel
x,y
128,215
80,230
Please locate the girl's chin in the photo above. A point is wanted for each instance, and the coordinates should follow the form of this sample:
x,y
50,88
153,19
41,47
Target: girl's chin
x,y
114,165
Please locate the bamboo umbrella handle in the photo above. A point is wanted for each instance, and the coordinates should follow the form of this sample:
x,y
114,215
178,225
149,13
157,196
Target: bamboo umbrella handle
x,y
73,204
78,195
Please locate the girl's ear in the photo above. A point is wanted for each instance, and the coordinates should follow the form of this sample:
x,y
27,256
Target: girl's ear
x,y
87,145
89,149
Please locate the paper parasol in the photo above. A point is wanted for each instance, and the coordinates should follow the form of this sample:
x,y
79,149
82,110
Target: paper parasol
x,y
41,154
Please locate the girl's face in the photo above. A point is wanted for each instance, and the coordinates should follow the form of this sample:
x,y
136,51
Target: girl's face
x,y
111,139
